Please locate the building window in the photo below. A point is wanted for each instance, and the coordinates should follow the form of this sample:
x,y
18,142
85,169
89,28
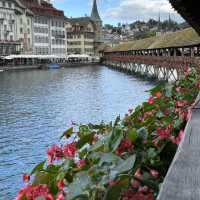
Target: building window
x,y
28,21
21,30
21,21
9,5
4,4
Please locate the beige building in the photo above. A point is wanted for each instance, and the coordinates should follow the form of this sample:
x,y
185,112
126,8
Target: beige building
x,y
80,36
84,34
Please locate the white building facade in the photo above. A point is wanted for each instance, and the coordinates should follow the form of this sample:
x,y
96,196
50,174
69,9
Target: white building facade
x,y
48,28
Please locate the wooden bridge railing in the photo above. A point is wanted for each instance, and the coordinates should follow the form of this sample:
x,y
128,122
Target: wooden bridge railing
x,y
165,61
164,67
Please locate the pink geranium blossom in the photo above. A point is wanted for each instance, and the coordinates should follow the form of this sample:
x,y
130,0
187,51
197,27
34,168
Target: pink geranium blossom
x,y
54,153
150,100
69,150
32,192
80,163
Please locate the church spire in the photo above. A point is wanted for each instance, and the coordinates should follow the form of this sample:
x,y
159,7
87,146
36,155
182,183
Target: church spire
x,y
95,14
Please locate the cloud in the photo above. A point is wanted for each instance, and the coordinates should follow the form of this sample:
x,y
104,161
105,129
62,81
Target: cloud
x,y
130,10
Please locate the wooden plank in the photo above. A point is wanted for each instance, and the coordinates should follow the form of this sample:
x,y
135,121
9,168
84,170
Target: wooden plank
x,y
183,178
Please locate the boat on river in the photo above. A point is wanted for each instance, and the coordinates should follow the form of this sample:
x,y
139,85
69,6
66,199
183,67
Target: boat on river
x,y
53,66
1,70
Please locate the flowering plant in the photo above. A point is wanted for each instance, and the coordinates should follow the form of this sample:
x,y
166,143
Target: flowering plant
x,y
126,160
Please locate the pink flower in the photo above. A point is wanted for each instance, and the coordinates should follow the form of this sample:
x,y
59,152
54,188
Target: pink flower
x,y
178,89
177,139
139,174
32,192
150,100
154,173
164,133
54,153
180,136
60,196
69,150
181,103
80,163
26,177
60,184
143,189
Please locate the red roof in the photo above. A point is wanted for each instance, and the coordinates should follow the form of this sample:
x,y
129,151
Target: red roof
x,y
45,9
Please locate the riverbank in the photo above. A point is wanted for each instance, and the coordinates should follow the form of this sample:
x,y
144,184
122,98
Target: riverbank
x,y
31,67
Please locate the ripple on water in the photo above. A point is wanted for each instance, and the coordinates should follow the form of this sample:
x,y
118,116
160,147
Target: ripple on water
x,y
37,106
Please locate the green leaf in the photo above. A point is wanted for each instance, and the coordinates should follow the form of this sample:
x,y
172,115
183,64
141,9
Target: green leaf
x,y
132,135
40,198
124,166
78,187
101,144
86,139
142,133
168,90
67,133
38,167
66,165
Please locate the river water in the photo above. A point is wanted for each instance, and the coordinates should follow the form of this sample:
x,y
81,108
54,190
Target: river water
x,y
37,106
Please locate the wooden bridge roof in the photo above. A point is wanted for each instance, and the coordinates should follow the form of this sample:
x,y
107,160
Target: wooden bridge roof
x,y
186,37
189,10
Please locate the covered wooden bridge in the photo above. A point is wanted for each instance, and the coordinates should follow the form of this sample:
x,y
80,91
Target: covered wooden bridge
x,y
164,57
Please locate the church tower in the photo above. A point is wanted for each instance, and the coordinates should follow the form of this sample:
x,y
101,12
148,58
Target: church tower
x,y
95,17
95,14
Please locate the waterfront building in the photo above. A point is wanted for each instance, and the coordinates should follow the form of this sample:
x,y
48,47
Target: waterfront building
x,y
84,34
8,37
15,28
48,28
80,36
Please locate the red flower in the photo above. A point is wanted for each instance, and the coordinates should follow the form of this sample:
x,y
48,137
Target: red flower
x,y
198,84
150,100
125,145
26,177
69,150
80,163
60,184
32,192
54,153
181,103
143,189
154,173
163,133
158,94
135,184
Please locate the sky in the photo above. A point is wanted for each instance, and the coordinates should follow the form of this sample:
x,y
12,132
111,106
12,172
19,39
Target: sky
x,y
123,11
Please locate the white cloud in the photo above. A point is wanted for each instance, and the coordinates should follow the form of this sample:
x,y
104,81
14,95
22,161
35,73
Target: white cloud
x,y
129,10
